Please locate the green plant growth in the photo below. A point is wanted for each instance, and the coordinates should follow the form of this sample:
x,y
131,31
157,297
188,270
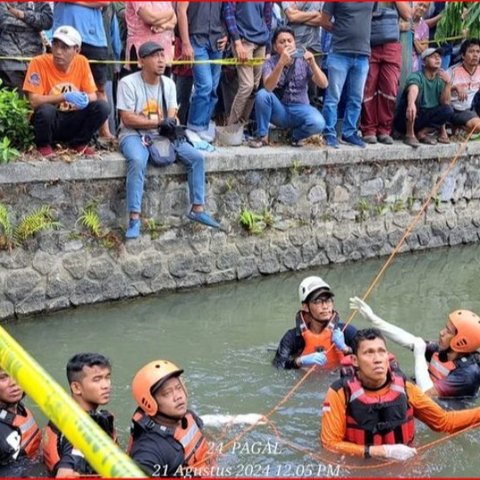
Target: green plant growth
x,y
14,122
153,227
7,152
252,222
90,219
295,168
40,219
459,18
397,206
363,208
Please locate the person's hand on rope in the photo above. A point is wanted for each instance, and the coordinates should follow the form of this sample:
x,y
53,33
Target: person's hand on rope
x,y
316,358
78,99
399,452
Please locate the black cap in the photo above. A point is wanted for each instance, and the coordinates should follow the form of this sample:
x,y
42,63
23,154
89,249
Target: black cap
x,y
149,48
321,292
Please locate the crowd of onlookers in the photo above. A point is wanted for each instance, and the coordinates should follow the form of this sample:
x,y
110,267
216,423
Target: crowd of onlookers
x,y
356,72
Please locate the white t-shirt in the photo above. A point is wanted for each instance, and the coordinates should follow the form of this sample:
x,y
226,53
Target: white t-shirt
x,y
137,96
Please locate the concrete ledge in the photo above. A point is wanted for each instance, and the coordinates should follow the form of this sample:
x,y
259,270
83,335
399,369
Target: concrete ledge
x,y
228,159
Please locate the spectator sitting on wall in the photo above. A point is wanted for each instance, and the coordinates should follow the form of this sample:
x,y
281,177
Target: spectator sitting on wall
x,y
304,19
87,19
62,93
20,27
284,100
425,103
147,103
465,80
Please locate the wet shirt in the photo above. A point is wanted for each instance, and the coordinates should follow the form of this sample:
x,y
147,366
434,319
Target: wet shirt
x,y
334,419
296,90
292,345
463,381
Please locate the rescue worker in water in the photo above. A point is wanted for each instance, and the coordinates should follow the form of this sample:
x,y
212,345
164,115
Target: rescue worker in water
x,y
19,433
370,411
89,378
449,367
166,438
319,338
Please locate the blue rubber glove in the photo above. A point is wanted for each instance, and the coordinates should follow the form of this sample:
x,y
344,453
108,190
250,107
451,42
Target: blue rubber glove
x,y
339,339
316,358
78,99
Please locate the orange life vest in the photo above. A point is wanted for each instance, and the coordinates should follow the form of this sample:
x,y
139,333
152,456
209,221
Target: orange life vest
x,y
188,435
24,422
439,370
316,342
54,439
376,421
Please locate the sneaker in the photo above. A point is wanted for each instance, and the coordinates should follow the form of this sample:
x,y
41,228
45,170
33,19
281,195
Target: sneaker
x,y
385,139
46,151
354,140
370,139
331,142
206,135
84,150
204,218
133,230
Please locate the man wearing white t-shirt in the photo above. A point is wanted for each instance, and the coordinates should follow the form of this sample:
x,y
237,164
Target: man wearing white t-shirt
x,y
465,80
147,104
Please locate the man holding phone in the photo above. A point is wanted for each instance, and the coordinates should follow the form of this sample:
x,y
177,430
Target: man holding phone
x,y
284,99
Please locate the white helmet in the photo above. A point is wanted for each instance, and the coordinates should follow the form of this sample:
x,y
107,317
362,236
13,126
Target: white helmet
x,y
309,285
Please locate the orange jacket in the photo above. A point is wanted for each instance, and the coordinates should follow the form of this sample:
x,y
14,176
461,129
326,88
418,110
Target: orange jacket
x,y
334,419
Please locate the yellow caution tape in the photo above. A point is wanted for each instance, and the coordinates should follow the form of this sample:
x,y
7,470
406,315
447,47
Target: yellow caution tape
x,y
99,449
221,61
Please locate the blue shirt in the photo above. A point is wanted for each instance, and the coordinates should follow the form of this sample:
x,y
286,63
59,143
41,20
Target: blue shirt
x,y
88,21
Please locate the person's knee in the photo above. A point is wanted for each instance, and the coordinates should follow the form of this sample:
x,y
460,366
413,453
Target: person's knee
x,y
45,111
100,108
316,123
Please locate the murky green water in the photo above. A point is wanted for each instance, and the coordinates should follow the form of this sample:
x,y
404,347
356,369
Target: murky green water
x,y
224,338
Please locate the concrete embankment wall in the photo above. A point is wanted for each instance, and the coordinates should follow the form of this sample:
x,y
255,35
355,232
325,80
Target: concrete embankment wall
x,y
322,206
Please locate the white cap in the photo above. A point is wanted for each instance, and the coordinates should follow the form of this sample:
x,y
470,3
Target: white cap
x,y
68,35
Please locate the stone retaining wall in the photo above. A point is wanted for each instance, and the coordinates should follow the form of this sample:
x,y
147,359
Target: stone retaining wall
x,y
324,206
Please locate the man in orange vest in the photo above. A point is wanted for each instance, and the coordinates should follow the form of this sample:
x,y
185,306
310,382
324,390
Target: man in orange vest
x,y
19,433
319,338
369,411
449,367
88,375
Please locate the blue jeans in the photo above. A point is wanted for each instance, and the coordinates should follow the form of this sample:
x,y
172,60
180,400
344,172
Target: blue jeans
x,y
205,81
303,119
136,155
351,71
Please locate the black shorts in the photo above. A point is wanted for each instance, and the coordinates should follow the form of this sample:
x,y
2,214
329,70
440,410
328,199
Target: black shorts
x,y
461,118
99,70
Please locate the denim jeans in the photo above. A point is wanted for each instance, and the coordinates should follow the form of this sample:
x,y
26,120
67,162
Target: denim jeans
x,y
303,119
205,81
349,71
136,155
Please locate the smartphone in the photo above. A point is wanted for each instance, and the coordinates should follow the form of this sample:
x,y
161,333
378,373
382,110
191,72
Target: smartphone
x,y
299,52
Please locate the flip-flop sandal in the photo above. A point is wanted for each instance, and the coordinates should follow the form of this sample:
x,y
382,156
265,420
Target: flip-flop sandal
x,y
443,140
428,140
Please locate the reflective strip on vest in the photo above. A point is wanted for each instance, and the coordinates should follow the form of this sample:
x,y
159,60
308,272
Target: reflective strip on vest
x,y
28,424
188,437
